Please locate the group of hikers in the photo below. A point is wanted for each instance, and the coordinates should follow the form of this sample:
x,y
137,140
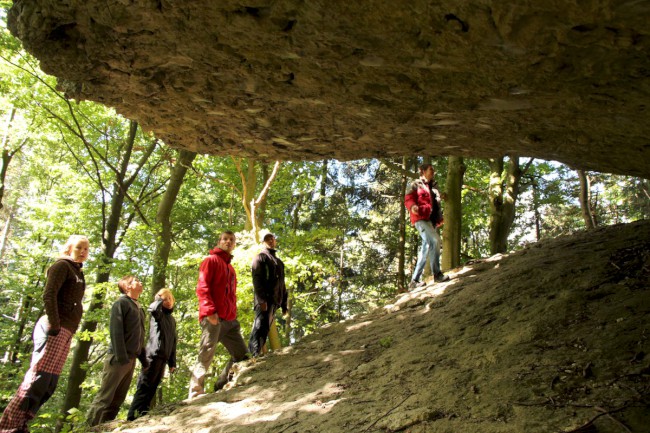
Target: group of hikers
x,y
217,295
216,291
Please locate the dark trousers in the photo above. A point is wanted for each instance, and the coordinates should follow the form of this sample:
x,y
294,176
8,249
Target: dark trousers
x,y
148,382
260,331
116,380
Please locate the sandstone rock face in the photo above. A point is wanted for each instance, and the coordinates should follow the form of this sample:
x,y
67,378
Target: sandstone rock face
x,y
289,79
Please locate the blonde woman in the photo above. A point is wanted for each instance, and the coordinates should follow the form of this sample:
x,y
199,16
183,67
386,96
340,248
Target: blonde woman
x,y
53,333
161,350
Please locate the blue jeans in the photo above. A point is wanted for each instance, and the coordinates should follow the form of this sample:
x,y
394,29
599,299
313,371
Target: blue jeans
x,y
430,247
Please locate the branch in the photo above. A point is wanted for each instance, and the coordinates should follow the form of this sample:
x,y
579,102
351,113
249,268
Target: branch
x,y
269,181
586,426
395,167
124,164
129,219
144,199
525,169
387,413
79,134
213,178
143,159
247,208
98,180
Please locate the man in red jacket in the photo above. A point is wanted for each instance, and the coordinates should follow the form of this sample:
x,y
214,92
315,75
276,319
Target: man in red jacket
x,y
423,203
217,293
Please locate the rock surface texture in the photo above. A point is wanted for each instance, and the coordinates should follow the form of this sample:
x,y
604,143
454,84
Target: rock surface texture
x,y
550,339
280,79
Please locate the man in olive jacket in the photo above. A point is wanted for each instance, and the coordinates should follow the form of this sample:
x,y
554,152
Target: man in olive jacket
x,y
270,292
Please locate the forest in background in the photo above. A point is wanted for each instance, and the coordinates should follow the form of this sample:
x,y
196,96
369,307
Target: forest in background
x,y
153,211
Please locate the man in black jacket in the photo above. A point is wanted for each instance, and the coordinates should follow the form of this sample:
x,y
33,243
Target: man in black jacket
x,y
270,292
127,343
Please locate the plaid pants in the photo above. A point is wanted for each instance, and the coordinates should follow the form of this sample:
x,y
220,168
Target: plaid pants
x,y
50,353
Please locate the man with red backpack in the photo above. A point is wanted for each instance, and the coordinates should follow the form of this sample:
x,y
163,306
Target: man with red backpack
x,y
423,204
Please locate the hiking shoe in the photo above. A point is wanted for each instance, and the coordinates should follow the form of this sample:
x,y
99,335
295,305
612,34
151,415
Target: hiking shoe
x,y
416,284
441,278
219,384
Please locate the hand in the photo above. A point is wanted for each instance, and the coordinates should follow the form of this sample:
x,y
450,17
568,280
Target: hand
x,y
172,370
53,332
263,306
443,196
414,209
167,303
213,319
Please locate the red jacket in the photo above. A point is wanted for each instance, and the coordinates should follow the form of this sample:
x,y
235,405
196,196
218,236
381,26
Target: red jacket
x,y
217,286
428,200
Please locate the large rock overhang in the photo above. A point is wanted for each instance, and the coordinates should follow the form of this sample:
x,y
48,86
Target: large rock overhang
x,y
307,80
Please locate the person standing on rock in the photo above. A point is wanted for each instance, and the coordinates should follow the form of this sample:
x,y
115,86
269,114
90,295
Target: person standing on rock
x,y
160,351
217,294
270,292
423,202
53,333
127,343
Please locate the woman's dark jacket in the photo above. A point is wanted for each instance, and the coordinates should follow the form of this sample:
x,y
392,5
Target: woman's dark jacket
x,y
63,293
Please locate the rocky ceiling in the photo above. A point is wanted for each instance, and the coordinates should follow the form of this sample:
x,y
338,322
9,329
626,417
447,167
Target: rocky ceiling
x,y
567,80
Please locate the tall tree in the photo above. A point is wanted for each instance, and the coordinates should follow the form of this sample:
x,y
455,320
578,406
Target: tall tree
x,y
453,213
254,206
401,246
503,193
585,200
8,152
163,219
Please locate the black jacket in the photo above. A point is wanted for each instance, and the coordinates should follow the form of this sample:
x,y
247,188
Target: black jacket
x,y
162,333
268,280
127,331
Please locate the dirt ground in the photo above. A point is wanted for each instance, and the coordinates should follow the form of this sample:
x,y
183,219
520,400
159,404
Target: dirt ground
x,y
553,338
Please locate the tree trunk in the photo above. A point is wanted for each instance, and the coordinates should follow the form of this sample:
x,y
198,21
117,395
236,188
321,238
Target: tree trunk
x,y
323,179
6,154
254,207
249,183
538,215
401,246
274,337
503,200
260,209
453,213
341,276
585,200
163,220
5,233
295,214
287,323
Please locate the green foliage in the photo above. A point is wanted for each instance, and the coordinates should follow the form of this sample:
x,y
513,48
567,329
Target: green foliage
x,y
386,342
337,222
